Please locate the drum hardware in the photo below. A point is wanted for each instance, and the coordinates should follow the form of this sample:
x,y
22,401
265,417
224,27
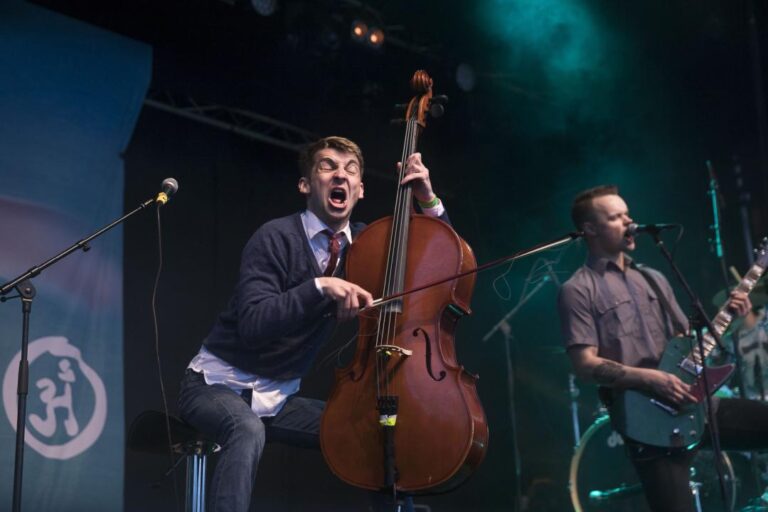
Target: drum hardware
x,y
622,491
602,477
574,392
695,491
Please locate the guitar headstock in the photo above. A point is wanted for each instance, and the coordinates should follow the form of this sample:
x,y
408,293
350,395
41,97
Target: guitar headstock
x,y
761,254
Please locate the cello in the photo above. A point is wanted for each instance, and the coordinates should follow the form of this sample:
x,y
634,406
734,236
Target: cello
x,y
404,416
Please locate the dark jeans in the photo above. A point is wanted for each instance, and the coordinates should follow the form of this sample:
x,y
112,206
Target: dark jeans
x,y
665,475
224,416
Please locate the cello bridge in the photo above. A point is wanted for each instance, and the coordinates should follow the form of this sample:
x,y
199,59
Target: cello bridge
x,y
390,349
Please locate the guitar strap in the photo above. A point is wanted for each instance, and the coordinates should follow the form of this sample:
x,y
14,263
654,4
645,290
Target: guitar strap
x,y
666,308
606,394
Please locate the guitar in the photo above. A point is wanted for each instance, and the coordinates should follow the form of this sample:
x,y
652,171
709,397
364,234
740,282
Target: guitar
x,y
651,420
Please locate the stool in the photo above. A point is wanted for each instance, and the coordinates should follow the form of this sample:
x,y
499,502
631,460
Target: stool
x,y
148,433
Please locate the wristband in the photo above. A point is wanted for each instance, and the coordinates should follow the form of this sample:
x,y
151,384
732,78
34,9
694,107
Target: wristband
x,y
429,204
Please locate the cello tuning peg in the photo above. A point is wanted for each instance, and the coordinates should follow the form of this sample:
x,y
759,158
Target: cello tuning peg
x,y
401,106
442,99
398,121
436,110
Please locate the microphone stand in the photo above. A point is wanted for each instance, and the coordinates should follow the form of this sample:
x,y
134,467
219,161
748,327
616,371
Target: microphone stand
x,y
699,320
744,200
510,353
26,292
715,196
714,193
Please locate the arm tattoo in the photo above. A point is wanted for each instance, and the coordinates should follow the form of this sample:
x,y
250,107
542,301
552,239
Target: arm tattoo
x,y
608,372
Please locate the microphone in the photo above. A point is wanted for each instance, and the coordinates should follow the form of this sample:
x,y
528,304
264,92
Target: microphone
x,y
633,228
169,187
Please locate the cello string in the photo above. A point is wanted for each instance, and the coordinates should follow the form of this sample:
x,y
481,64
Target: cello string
x,y
398,248
384,323
399,229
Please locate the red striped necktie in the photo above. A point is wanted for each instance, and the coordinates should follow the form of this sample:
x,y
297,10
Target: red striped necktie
x,y
334,249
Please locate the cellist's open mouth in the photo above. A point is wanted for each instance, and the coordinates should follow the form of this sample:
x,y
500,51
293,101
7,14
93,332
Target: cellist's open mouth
x,y
338,197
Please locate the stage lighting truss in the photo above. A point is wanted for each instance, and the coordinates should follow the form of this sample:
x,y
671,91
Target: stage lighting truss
x,y
234,120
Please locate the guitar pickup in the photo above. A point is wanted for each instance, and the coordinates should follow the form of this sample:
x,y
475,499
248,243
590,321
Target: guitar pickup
x,y
691,367
667,408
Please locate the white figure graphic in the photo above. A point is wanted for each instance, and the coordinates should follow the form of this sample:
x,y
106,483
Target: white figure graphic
x,y
47,426
83,434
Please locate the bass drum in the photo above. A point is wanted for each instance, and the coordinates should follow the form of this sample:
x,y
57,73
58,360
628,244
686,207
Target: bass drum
x,y
602,478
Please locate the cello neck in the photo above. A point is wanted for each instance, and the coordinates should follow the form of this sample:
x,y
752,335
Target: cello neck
x,y
394,278
398,243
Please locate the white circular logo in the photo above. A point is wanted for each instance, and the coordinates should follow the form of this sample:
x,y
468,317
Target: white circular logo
x,y
55,393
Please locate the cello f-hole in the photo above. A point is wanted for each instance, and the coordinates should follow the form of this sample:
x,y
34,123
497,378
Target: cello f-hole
x,y
428,355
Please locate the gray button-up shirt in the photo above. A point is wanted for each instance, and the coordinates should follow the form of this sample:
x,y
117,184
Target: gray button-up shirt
x,y
618,312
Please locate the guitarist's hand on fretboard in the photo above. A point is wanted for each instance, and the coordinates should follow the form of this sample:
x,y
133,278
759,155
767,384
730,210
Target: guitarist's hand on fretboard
x,y
739,303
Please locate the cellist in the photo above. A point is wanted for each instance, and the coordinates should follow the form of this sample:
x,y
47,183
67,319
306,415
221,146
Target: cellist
x,y
241,386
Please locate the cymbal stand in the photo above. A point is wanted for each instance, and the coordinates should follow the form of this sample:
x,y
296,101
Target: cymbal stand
x,y
744,201
573,392
510,356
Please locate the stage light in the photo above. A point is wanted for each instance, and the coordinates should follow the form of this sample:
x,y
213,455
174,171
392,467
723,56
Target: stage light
x,y
376,37
359,31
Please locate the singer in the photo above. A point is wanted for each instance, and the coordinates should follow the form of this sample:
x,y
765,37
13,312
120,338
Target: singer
x,y
241,386
615,319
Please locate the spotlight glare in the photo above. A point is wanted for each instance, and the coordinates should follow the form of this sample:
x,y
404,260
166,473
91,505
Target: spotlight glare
x,y
376,37
359,30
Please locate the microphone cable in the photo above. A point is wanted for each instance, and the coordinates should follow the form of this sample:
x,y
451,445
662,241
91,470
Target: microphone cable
x,y
157,351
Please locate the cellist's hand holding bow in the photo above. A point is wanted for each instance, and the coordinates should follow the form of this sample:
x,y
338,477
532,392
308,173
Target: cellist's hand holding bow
x,y
348,296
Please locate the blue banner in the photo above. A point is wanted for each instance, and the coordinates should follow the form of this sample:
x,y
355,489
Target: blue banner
x,y
70,95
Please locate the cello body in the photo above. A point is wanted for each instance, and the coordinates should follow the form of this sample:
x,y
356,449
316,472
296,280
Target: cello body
x,y
406,355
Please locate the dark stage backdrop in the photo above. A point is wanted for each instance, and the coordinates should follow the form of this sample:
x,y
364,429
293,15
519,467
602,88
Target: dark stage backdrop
x,y
568,94
229,186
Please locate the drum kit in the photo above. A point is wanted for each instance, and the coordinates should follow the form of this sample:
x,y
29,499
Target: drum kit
x,y
602,478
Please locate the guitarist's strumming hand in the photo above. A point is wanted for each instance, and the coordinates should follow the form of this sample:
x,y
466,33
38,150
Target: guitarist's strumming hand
x,y
590,366
668,387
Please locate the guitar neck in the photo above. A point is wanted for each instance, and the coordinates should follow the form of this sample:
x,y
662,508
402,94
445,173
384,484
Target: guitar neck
x,y
724,317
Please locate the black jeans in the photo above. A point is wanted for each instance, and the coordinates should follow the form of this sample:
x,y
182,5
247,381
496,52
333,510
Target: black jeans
x,y
665,474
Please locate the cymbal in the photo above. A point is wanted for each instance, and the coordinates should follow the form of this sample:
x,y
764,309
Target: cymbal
x,y
758,296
